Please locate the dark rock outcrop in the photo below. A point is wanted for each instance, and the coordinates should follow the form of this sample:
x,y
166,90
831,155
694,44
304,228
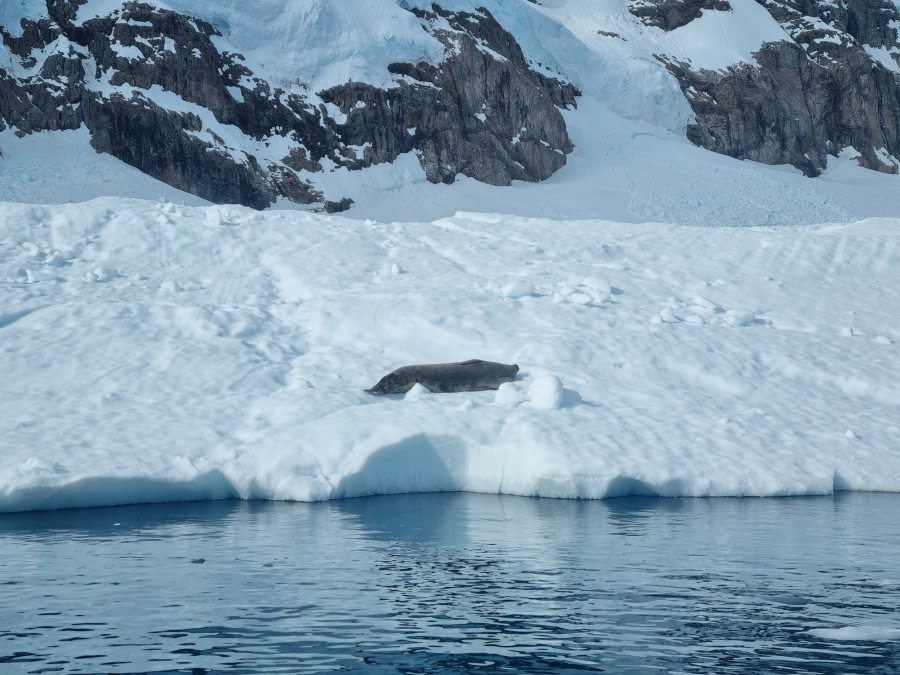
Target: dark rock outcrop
x,y
808,98
672,14
152,89
816,23
163,144
489,118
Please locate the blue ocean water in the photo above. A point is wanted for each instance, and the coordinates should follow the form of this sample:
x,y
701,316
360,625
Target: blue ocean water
x,y
453,583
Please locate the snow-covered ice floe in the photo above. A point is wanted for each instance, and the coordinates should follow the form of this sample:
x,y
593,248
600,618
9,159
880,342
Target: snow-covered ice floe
x,y
153,352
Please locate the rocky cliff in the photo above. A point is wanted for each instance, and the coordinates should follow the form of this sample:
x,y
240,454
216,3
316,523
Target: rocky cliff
x,y
832,83
154,90
672,14
180,97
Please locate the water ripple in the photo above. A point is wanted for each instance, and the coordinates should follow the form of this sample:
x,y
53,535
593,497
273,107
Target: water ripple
x,y
453,583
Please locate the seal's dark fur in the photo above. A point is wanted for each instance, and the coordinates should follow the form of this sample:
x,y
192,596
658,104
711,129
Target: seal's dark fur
x,y
472,375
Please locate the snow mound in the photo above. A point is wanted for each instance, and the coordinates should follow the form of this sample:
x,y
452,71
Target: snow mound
x,y
546,393
155,352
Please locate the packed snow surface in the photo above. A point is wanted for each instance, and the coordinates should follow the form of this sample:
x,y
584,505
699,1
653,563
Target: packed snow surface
x,y
152,351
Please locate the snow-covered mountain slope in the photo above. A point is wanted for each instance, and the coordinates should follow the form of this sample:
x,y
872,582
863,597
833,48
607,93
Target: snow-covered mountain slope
x,y
168,93
280,101
154,352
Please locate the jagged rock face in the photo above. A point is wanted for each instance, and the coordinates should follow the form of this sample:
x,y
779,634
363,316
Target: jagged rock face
x,y
790,110
478,115
149,84
672,14
809,98
867,21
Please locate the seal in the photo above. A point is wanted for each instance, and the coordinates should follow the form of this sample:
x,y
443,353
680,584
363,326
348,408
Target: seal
x,y
472,375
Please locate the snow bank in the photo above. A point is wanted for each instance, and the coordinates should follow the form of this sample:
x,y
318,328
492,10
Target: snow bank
x,y
156,352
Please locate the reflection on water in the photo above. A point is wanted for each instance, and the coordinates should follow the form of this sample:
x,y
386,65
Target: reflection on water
x,y
453,583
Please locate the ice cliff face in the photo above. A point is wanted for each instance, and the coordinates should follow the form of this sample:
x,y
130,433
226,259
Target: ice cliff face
x,y
159,90
830,84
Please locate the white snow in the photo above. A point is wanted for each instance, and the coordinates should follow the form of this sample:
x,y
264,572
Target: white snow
x,y
546,393
517,288
97,9
508,394
717,39
153,351
13,11
335,113
884,57
130,52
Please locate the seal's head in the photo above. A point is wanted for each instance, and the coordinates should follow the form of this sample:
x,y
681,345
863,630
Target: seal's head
x,y
397,382
381,387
